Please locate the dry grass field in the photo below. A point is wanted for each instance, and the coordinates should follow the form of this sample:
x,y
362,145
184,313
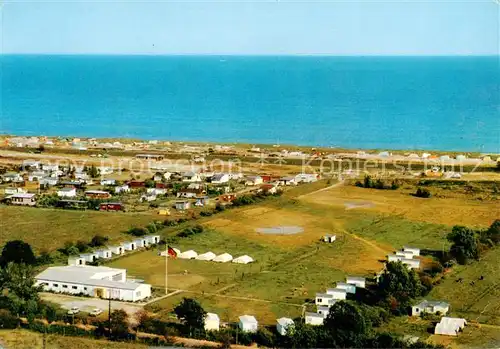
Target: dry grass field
x,y
49,229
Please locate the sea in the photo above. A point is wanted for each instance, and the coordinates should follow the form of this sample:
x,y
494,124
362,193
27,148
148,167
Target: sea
x,y
435,103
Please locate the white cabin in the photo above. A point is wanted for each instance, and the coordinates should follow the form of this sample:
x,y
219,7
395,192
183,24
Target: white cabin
x,y
283,325
248,324
212,322
314,319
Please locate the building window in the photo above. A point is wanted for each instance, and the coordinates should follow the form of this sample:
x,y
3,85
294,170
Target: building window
x,y
319,300
74,287
64,286
85,288
55,285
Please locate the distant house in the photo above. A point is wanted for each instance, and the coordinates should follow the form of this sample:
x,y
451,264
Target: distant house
x,y
414,250
306,178
182,205
12,177
122,189
329,238
158,177
36,176
141,242
430,307
89,257
136,184
66,192
404,254
153,239
51,181
157,191
337,293
13,191
269,189
104,253
156,157
324,299
191,177
97,194
111,206
357,281
119,249
76,260
108,181
323,310
130,246
411,263
450,326
349,288
212,322
283,325
253,180
287,181
220,178
248,324
23,199
314,319
147,197
190,193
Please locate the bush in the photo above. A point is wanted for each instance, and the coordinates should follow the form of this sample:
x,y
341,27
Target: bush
x,y
137,231
190,231
206,213
98,240
422,193
7,320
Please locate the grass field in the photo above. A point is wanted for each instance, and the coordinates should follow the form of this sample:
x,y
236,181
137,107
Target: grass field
x,y
49,229
23,339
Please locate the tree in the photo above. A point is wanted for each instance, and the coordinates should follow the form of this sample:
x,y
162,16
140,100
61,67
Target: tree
x,y
367,183
493,232
119,324
93,172
464,244
98,240
18,291
149,183
191,313
17,251
347,324
137,231
422,193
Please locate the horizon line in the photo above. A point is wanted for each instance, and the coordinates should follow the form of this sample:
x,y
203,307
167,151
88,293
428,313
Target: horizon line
x,y
244,54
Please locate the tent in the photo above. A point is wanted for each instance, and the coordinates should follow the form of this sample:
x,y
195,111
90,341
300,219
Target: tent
x,y
223,258
188,255
208,256
243,260
450,326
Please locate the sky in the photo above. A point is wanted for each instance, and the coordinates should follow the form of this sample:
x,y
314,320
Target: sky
x,y
280,27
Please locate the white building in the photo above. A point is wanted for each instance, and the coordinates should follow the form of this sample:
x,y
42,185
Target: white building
x,y
108,181
349,288
283,325
104,253
243,259
122,189
323,310
48,181
141,242
356,281
66,192
153,239
130,246
248,323
92,281
220,178
314,319
414,250
212,322
329,238
430,307
207,256
404,254
450,326
305,178
223,258
119,249
253,180
337,293
157,191
324,299
76,260
191,177
411,263
89,257
190,254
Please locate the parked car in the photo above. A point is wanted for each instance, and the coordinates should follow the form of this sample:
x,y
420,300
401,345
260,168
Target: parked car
x,y
73,311
96,312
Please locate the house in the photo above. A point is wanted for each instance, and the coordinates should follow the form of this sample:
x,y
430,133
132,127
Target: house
x,y
314,319
248,324
104,170
158,176
147,197
102,282
66,192
153,239
81,175
404,254
324,299
136,184
349,288
243,260
108,181
13,191
329,238
141,242
97,194
190,193
430,307
283,324
190,254
414,250
12,177
207,256
191,177
220,178
411,263
36,176
356,281
130,246
50,167
23,199
156,157
450,326
212,322
269,189
76,260
89,257
287,181
394,258
253,180
118,249
306,178
227,197
223,258
337,293
323,310
202,201
104,253
50,181
122,189
182,205
157,191
111,206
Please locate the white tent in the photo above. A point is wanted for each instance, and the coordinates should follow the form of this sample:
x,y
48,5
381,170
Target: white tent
x,y
243,260
165,253
187,255
223,258
208,256
450,326
212,322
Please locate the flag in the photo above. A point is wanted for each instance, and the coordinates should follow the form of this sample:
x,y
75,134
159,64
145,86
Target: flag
x,y
171,252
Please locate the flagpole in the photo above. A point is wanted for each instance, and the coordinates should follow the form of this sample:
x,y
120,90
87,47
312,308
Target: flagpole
x,y
166,269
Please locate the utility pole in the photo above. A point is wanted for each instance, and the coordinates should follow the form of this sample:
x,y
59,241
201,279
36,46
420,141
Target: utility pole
x,y
109,313
166,269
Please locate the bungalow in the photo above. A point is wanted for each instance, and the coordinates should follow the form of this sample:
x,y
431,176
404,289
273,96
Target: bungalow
x,y
287,181
111,206
89,257
23,199
142,242
211,322
158,177
207,256
108,181
314,319
324,299
136,184
72,184
157,191
220,178
51,181
153,239
36,176
76,260
329,238
323,310
356,281
104,253
50,167
253,180
119,249
147,197
248,324
414,250
12,191
31,164
283,325
337,293
122,189
97,194
411,263
66,192
81,175
430,307
182,205
202,201
130,246
349,288
12,177
404,254
306,178
191,177
394,258
189,193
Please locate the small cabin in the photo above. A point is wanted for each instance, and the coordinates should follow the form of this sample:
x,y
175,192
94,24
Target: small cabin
x,y
329,238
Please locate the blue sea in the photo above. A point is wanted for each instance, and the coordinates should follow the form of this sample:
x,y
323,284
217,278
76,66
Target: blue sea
x,y
446,103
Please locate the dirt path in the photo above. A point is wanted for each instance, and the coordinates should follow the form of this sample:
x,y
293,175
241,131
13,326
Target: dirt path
x,y
338,184
366,241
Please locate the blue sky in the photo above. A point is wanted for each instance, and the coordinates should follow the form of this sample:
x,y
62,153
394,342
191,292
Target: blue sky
x,y
252,27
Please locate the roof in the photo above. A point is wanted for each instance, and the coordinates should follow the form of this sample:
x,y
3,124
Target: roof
x,y
96,192
425,303
86,275
212,316
337,290
22,196
285,321
218,176
67,189
316,315
410,248
356,278
323,295
249,319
